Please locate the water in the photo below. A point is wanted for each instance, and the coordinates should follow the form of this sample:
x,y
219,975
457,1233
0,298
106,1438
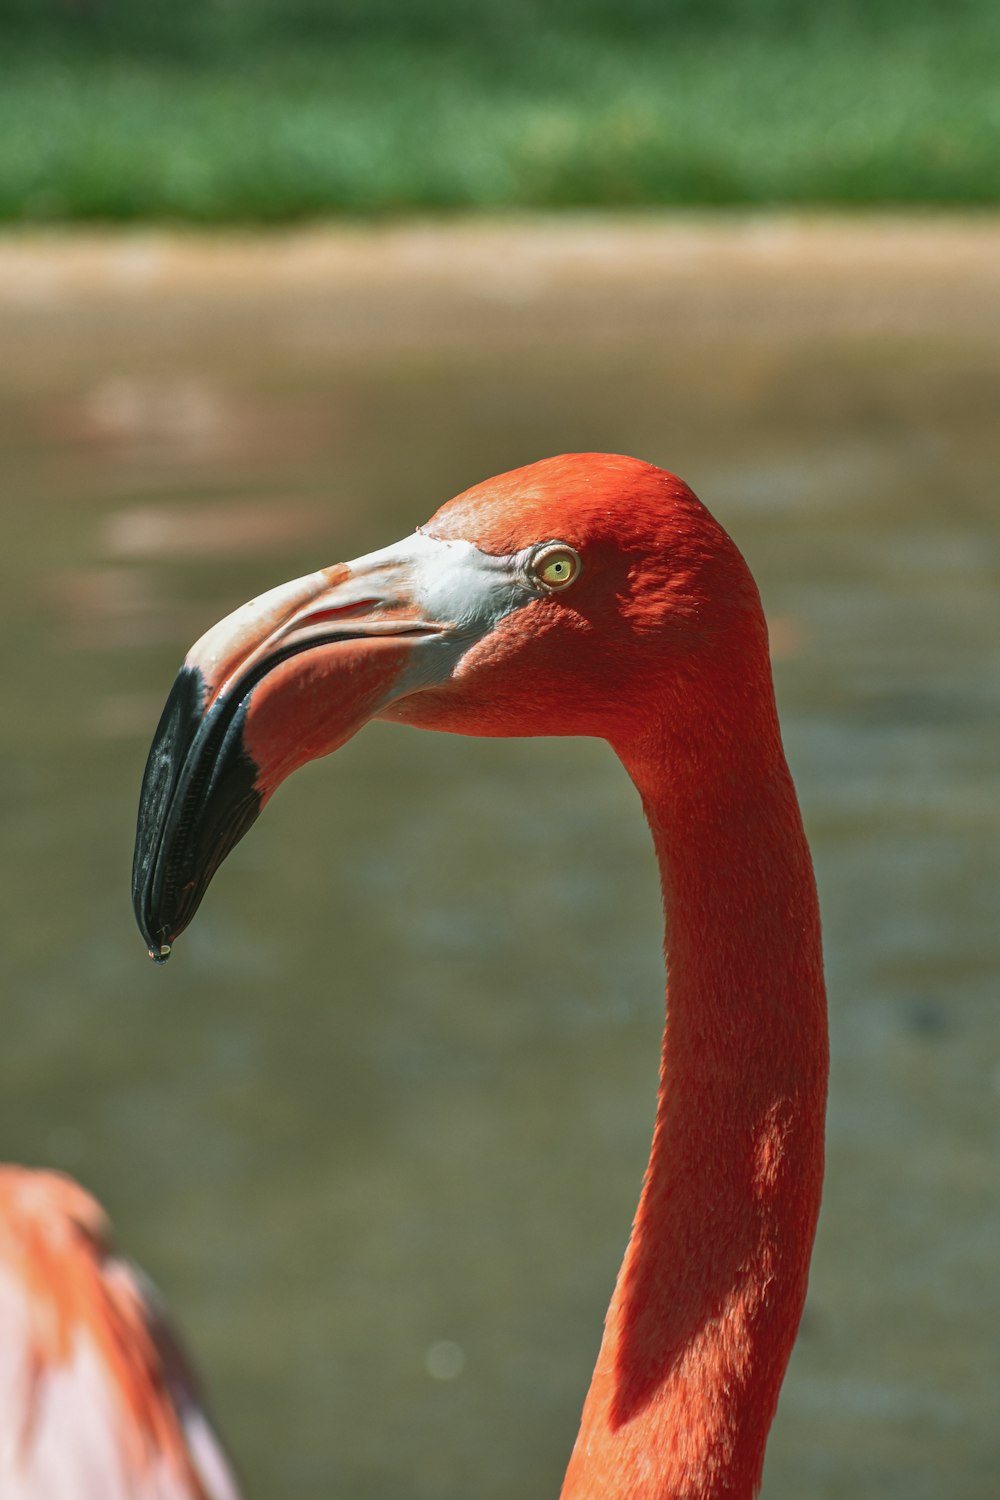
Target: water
x,y
379,1126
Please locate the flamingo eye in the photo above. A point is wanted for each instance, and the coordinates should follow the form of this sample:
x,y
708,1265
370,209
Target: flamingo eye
x,y
556,566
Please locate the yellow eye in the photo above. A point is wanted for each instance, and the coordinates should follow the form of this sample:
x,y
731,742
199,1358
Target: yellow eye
x,y
556,566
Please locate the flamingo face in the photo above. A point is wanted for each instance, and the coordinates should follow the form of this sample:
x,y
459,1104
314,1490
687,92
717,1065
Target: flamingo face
x,y
559,599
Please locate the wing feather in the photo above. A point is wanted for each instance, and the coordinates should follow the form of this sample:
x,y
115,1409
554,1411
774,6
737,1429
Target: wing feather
x,y
97,1401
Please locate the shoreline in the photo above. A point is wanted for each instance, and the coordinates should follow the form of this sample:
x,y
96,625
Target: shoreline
x,y
583,242
423,289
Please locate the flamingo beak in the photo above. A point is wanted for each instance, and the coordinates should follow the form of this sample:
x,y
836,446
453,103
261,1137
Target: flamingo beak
x,y
289,677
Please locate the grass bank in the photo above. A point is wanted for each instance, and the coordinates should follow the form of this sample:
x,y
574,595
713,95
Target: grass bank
x,y
294,117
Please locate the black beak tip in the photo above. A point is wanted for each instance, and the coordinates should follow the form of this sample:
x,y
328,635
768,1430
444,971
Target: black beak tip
x,y
175,735
198,798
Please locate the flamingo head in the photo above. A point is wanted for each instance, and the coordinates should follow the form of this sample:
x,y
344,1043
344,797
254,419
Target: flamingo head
x,y
586,594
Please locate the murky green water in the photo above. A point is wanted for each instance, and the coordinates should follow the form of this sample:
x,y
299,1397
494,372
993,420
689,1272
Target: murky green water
x,y
379,1126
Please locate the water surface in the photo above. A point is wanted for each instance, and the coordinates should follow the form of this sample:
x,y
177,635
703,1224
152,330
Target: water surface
x,y
379,1127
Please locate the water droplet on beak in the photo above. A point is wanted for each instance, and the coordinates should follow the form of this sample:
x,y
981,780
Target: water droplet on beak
x,y
161,954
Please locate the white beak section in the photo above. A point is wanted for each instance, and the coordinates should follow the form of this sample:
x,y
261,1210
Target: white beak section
x,y
451,583
449,588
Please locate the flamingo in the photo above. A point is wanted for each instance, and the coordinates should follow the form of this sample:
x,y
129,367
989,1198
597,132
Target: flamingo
x,y
585,594
96,1399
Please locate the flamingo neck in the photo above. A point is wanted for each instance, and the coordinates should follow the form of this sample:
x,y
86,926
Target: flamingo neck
x,y
708,1300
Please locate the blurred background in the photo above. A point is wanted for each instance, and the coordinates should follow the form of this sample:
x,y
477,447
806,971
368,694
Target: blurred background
x,y
379,1127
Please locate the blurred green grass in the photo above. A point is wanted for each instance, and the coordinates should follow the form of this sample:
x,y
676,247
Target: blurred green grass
x,y
256,111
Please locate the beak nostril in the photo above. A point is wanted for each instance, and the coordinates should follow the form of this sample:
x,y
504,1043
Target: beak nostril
x,y
343,612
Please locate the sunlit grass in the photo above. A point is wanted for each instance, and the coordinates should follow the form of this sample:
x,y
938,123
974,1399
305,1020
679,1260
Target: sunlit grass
x,y
375,127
